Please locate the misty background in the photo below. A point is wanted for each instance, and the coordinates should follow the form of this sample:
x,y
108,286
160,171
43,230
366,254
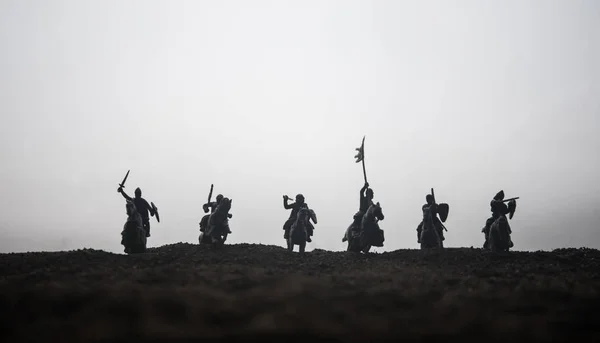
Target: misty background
x,y
266,98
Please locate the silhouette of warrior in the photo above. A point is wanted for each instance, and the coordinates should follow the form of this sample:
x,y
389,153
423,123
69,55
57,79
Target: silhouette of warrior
x,y
433,207
498,208
141,206
366,200
295,207
213,206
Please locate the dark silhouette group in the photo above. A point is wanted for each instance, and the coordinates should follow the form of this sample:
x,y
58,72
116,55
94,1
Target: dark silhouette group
x,y
362,234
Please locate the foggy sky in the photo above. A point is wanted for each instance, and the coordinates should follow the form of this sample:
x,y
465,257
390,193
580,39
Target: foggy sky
x,y
265,98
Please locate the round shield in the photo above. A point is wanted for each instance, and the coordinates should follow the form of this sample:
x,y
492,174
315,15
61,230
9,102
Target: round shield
x,y
443,210
155,211
313,216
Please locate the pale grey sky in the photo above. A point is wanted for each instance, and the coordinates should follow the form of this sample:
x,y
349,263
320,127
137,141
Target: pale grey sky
x,y
265,98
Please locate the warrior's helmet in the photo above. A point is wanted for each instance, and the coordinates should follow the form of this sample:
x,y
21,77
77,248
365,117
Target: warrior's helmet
x,y
300,198
499,196
138,192
219,198
429,198
369,193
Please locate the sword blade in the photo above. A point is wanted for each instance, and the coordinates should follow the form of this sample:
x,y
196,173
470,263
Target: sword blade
x,y
210,193
122,184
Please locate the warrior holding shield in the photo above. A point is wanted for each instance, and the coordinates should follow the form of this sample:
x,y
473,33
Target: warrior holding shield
x,y
436,209
499,209
141,206
212,205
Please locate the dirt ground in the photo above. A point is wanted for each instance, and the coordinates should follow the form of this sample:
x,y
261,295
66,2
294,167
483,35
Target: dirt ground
x,y
263,292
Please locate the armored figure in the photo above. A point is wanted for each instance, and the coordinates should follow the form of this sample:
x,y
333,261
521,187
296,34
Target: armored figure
x,y
499,208
295,207
142,207
212,205
366,200
436,209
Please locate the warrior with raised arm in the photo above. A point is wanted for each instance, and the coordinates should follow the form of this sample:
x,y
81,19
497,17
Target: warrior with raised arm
x,y
142,207
365,201
498,208
295,207
212,205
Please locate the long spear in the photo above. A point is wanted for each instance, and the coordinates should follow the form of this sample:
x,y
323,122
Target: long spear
x,y
360,157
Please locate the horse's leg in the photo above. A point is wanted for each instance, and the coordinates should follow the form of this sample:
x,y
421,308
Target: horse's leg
x,y
352,244
290,245
347,234
495,243
302,247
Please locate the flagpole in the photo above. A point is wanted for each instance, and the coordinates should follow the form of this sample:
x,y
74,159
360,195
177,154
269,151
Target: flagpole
x,y
363,162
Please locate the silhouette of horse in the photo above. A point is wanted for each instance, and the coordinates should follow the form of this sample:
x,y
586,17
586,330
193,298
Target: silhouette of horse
x,y
353,229
133,234
429,235
298,231
370,234
217,227
499,235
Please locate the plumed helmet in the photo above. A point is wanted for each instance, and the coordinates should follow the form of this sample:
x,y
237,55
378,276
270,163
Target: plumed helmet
x,y
499,195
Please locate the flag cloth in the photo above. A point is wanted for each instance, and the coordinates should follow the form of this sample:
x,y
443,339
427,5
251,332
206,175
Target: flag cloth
x,y
361,151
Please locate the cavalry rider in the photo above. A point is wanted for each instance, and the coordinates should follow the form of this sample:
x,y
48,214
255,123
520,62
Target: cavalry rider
x,y
366,200
295,207
213,206
498,208
142,207
433,207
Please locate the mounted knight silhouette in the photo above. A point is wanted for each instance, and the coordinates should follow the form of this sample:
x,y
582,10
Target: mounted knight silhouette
x,y
214,227
430,231
497,230
138,215
364,232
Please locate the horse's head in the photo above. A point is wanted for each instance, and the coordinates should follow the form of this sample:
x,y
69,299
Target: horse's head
x,y
375,212
306,213
224,206
303,214
427,218
130,208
